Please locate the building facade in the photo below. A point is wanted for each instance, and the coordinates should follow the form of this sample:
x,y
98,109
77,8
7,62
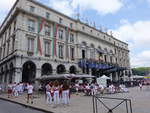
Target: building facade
x,y
38,41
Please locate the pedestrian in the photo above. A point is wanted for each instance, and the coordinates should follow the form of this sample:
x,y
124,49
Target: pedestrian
x,y
9,90
77,88
48,94
56,93
65,93
140,85
0,88
16,90
29,92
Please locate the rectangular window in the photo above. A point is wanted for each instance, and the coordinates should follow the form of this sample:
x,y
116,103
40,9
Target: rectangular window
x,y
5,37
47,48
0,52
32,9
71,25
13,43
14,26
111,60
60,20
30,45
116,60
2,38
92,53
31,25
105,58
9,32
47,15
60,34
60,48
47,30
8,47
4,51
72,53
71,37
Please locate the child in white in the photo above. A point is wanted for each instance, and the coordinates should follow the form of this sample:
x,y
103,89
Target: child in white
x,y
65,93
77,88
56,93
48,94
16,87
30,92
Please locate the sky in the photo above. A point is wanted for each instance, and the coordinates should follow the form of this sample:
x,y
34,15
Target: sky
x,y
129,20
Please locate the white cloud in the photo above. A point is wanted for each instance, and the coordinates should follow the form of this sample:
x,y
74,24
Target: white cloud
x,y
5,7
62,6
141,59
100,6
138,37
148,1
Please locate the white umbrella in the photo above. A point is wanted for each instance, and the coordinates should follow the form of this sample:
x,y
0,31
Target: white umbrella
x,y
104,77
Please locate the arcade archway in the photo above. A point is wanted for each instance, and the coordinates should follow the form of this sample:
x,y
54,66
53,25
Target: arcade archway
x,y
29,72
47,69
61,69
73,69
11,72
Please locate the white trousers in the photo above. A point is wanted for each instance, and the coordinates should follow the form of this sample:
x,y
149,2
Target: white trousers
x,y
65,96
48,98
16,93
56,97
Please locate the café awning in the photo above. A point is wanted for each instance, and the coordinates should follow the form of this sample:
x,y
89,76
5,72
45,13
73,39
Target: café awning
x,y
65,76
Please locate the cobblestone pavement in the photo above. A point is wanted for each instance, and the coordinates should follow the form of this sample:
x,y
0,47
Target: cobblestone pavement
x,y
83,104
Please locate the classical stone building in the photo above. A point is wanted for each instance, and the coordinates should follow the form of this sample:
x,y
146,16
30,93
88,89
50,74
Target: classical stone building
x,y
36,40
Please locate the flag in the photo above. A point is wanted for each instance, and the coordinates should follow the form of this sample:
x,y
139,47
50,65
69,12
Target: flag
x,y
39,46
54,52
41,22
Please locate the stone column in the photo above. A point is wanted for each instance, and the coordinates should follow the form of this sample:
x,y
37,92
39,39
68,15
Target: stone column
x,y
18,75
111,76
38,75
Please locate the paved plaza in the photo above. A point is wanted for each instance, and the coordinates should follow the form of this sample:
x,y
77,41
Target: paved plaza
x,y
83,104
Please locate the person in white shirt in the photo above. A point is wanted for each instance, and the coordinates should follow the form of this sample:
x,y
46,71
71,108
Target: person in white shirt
x,y
77,88
48,93
56,93
30,93
140,85
65,93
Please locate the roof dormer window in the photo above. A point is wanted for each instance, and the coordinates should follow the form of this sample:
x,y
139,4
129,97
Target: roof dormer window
x,y
47,15
32,8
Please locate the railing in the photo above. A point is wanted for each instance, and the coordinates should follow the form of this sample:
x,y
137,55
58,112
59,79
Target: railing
x,y
99,101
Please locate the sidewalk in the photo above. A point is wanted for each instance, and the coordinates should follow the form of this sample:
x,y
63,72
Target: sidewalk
x,y
78,104
83,104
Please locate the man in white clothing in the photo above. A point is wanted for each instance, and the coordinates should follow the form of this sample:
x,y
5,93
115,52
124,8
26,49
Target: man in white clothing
x,y
30,93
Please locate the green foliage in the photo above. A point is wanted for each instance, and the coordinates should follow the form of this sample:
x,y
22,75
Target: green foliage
x,y
142,71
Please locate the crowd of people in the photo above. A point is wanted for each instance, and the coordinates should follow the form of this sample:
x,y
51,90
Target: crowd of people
x,y
57,94
17,89
94,88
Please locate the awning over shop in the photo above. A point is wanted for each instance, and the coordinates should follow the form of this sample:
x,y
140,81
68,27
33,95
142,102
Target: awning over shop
x,y
115,69
90,64
100,51
104,77
65,76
